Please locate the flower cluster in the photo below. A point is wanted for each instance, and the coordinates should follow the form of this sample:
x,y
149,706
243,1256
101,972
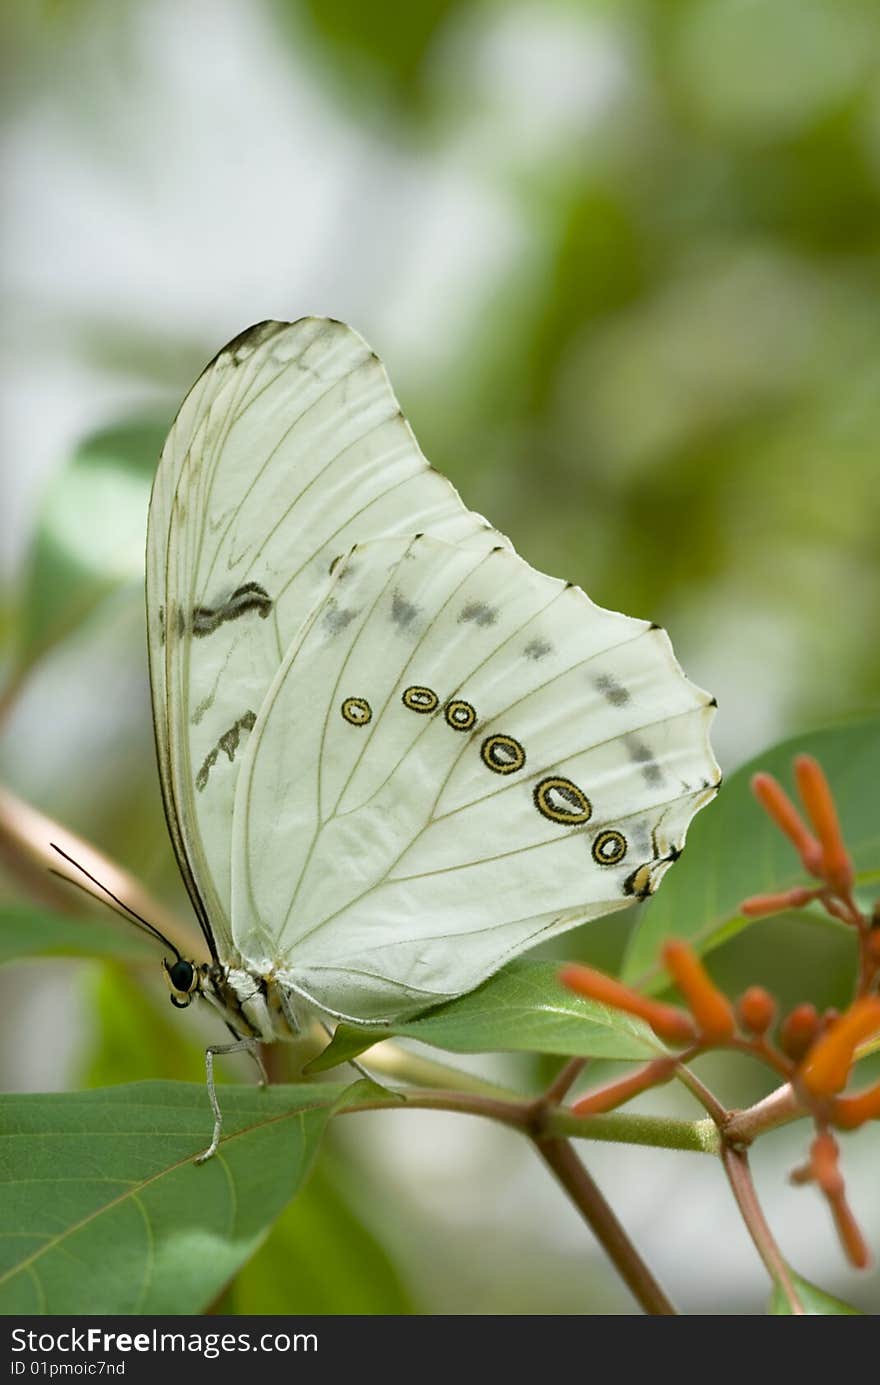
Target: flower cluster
x,y
814,1053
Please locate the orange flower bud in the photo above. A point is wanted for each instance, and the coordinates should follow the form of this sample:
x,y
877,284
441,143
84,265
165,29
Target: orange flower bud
x,y
710,1008
798,1031
756,1010
823,1159
775,801
616,1093
826,1171
667,1021
852,1111
850,1234
818,800
759,905
826,1066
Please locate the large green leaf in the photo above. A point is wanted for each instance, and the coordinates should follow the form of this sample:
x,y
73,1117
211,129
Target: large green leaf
x,y
319,1257
815,1301
102,1209
26,930
734,850
522,1009
91,532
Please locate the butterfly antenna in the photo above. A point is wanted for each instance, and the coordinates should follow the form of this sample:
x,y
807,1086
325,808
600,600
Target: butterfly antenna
x,y
121,907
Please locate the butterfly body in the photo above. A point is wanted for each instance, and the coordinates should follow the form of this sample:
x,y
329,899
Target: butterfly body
x,y
393,755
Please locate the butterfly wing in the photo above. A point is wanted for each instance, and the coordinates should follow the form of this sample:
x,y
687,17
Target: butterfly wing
x,y
289,448
458,756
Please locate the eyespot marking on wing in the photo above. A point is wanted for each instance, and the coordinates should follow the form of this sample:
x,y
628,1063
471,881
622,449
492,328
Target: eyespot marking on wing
x,y
357,711
478,612
228,743
419,699
562,801
502,754
460,715
249,597
612,691
609,848
537,649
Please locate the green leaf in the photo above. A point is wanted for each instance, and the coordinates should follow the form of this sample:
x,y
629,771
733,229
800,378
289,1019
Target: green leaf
x,y
29,931
91,533
734,850
523,1008
319,1257
102,1209
814,1301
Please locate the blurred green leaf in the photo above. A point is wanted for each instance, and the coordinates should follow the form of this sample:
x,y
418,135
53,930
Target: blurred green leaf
x,y
104,1210
319,1257
734,850
521,1009
815,1301
91,533
27,930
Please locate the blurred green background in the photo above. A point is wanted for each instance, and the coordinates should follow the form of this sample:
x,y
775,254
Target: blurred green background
x,y
622,262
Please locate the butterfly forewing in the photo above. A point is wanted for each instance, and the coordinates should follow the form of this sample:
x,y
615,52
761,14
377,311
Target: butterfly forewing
x,y
290,448
458,756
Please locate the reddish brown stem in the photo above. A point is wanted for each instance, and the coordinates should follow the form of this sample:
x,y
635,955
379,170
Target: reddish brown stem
x,y
560,1157
739,1175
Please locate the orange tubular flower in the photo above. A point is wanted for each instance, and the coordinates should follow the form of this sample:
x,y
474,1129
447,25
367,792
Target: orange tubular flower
x,y
616,1093
826,1066
852,1111
826,1171
759,905
667,1021
710,1008
819,802
776,802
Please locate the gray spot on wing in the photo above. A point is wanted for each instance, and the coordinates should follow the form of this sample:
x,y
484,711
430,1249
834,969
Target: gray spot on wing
x,y
611,690
479,612
336,618
403,612
537,649
228,743
644,757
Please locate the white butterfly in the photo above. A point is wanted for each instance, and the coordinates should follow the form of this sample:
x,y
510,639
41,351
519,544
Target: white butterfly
x,y
393,755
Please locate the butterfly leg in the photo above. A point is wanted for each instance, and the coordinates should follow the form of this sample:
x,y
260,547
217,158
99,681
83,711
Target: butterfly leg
x,y
240,1046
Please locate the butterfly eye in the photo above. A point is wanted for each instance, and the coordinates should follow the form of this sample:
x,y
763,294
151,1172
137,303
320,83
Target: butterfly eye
x,y
181,976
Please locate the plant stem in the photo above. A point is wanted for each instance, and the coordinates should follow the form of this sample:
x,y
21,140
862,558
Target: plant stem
x,y
778,1108
656,1132
25,841
560,1157
736,1166
564,1080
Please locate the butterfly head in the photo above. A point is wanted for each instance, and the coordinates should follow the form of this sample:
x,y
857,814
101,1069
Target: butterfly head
x,y
183,980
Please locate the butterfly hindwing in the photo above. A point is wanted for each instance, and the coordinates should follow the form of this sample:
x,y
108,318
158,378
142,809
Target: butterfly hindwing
x,y
458,756
290,448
